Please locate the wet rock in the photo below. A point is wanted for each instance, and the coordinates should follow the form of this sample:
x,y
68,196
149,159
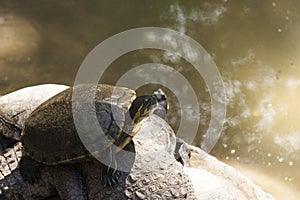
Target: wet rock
x,y
209,178
221,180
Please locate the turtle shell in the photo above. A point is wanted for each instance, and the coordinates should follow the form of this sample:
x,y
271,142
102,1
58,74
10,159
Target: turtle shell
x,y
50,134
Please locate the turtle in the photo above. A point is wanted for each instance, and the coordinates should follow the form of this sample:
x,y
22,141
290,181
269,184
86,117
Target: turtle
x,y
50,136
155,173
182,152
162,104
139,183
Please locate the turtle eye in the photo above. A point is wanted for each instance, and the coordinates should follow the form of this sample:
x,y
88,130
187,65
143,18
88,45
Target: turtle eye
x,y
148,103
141,107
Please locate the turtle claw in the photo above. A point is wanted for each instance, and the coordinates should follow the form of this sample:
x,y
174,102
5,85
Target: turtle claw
x,y
110,178
118,175
6,142
29,170
32,177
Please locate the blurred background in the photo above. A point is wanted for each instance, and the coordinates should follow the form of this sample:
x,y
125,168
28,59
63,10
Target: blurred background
x,y
255,44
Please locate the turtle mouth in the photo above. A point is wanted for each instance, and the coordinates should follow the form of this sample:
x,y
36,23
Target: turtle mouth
x,y
129,103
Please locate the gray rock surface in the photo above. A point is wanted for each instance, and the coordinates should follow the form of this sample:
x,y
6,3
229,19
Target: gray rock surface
x,y
12,186
221,181
154,159
155,173
207,178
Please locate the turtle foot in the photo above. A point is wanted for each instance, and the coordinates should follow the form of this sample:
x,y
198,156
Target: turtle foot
x,y
29,170
6,142
110,177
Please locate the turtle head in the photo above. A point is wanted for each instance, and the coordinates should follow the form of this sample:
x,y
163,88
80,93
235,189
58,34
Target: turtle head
x,y
141,107
162,104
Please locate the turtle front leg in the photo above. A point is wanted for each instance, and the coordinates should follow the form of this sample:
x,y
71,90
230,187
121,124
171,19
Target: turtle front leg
x,y
6,142
110,174
29,169
110,177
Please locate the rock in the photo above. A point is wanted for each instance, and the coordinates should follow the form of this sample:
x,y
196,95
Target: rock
x,y
221,180
210,178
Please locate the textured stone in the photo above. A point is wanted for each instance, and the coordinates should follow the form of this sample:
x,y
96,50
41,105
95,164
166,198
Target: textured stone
x,y
208,179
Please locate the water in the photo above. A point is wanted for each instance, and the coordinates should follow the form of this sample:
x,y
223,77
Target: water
x,y
255,45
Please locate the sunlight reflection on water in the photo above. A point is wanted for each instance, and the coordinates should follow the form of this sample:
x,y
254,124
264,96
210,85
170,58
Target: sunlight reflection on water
x,y
258,61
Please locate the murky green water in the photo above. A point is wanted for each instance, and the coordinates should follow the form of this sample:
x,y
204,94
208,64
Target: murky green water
x,y
255,45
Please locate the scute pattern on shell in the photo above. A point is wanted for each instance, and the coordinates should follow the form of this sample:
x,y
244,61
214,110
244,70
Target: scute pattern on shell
x,y
53,137
9,161
13,187
170,183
